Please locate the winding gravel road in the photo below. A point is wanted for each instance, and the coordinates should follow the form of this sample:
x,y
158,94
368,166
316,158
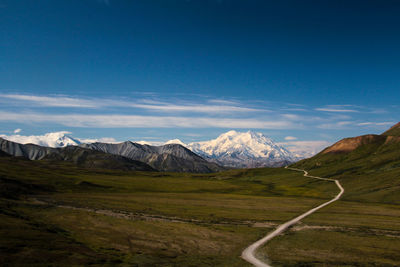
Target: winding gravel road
x,y
248,253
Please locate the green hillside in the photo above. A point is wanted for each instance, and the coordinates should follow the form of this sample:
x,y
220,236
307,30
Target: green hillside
x,y
368,166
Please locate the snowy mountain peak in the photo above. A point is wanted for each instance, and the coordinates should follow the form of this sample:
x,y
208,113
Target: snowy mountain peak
x,y
56,139
142,142
243,136
251,143
60,139
230,133
175,141
247,149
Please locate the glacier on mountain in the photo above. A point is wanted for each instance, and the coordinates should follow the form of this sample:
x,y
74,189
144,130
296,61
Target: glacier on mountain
x,y
241,150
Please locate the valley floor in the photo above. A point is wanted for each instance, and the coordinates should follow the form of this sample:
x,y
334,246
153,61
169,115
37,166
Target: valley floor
x,y
63,215
344,234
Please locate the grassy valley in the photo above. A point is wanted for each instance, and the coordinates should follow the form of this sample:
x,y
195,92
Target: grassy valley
x,y
52,211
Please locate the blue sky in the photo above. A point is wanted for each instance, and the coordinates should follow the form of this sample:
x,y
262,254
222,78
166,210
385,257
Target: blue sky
x,y
156,70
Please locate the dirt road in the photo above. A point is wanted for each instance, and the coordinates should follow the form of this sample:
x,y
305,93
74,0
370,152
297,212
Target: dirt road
x,y
248,253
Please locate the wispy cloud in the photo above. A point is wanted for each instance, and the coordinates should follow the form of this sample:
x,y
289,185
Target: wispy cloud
x,y
211,106
52,101
340,125
196,108
183,111
138,121
292,116
378,111
335,125
336,110
223,102
386,123
295,109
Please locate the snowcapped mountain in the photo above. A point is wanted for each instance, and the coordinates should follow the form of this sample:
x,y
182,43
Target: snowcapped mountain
x,y
56,139
176,142
241,149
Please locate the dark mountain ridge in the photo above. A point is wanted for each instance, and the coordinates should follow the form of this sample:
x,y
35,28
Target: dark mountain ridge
x,y
171,157
125,156
77,155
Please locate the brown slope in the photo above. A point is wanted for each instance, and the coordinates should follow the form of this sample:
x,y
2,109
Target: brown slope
x,y
394,131
347,145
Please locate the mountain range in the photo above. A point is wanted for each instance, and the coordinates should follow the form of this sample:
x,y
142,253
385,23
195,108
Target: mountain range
x,y
126,155
170,157
231,149
82,157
